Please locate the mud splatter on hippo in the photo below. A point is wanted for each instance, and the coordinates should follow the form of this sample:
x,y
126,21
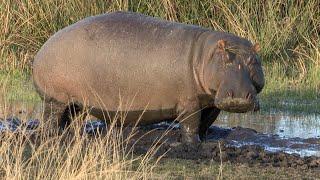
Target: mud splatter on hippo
x,y
128,62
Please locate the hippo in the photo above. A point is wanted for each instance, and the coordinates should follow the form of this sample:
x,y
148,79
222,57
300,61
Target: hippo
x,y
150,69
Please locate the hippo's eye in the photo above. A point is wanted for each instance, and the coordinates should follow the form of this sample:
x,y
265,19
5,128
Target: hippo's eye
x,y
251,61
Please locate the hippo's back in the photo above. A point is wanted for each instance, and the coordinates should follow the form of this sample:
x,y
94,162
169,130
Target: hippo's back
x,y
117,57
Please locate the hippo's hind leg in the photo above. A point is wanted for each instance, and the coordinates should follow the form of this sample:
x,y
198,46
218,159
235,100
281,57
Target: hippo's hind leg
x,y
72,112
59,115
208,116
53,114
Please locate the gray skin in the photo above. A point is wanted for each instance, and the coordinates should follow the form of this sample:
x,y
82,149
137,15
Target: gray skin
x,y
129,62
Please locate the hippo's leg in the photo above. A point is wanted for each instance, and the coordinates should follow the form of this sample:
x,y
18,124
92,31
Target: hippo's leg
x,y
208,116
59,115
71,112
53,114
189,120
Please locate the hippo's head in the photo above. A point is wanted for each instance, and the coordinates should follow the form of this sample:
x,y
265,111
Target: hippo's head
x,y
234,77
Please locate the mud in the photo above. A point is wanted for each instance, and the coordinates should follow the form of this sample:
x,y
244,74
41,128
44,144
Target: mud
x,y
236,145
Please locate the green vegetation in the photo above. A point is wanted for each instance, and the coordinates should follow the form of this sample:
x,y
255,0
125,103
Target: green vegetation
x,y
287,31
17,86
295,94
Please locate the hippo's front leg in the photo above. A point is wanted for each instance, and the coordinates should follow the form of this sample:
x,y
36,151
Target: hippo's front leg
x,y
189,119
208,116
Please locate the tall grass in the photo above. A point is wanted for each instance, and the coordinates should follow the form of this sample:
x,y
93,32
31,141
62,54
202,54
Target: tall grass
x,y
26,156
288,31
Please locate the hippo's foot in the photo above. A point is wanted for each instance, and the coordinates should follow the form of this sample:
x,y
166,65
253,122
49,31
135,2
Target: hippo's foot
x,y
203,137
189,138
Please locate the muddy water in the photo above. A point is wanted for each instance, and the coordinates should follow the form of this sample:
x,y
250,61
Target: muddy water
x,y
285,132
275,132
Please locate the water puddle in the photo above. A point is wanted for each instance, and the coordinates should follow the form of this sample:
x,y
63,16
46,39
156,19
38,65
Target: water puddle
x,y
299,134
283,124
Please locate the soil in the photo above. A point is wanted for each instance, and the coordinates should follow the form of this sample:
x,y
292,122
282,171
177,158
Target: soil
x,y
220,147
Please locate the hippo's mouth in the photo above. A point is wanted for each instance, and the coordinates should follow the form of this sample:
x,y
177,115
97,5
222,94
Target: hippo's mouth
x,y
237,105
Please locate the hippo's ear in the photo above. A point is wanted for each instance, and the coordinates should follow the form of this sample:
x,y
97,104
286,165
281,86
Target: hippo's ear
x,y
221,44
256,47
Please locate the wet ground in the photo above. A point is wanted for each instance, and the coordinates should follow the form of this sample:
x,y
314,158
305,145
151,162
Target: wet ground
x,y
239,145
261,139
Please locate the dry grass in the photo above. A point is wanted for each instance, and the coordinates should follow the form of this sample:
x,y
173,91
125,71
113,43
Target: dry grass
x,y
38,155
287,31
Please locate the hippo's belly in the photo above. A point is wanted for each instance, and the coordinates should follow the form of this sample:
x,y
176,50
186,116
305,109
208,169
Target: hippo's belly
x,y
141,117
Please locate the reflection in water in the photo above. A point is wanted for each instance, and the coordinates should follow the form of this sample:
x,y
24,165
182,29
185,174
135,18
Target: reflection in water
x,y
298,130
282,124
